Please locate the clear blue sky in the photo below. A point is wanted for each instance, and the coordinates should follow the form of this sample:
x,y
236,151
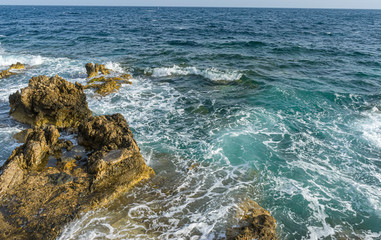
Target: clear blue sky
x,y
368,4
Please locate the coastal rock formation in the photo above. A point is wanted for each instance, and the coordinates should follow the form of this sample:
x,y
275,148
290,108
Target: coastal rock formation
x,y
50,101
93,70
255,223
47,182
116,159
7,73
18,66
108,85
108,132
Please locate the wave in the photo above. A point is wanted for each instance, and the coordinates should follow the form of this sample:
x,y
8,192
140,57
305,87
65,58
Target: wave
x,y
371,127
7,60
114,66
210,73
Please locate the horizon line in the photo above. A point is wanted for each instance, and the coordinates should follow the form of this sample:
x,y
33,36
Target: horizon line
x,y
62,5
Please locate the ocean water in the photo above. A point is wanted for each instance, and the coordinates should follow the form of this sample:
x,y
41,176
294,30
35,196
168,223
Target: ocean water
x,y
282,106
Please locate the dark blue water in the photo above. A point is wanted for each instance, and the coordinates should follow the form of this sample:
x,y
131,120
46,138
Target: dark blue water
x,y
281,106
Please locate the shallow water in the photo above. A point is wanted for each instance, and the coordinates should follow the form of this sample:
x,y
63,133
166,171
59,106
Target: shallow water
x,y
282,106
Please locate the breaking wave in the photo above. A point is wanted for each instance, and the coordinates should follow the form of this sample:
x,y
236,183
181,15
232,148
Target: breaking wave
x,y
213,74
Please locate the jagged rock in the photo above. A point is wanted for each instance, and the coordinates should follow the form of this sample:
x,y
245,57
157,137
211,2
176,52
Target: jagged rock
x,y
108,85
7,73
18,65
35,151
43,186
255,223
107,132
29,156
93,70
50,101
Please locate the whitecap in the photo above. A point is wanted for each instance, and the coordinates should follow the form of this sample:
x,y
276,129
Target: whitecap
x,y
371,127
213,74
114,66
7,60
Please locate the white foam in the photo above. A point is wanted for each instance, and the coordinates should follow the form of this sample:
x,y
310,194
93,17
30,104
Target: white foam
x,y
371,127
213,74
7,60
114,66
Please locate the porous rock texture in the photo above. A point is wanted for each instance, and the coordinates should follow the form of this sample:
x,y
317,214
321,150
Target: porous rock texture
x,y
52,101
45,184
255,222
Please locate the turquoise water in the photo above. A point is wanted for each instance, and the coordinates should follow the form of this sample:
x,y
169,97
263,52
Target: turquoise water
x,y
282,106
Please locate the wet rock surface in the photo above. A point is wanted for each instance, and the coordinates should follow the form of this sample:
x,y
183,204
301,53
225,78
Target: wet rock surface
x,y
255,222
50,101
48,181
104,86
93,70
7,73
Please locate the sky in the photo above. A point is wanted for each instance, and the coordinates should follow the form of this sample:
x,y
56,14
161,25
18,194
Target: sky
x,y
357,4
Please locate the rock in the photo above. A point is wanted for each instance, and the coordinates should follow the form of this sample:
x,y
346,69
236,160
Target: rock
x,y
108,85
7,73
93,70
22,136
30,156
42,186
50,101
255,223
36,149
108,132
66,163
18,66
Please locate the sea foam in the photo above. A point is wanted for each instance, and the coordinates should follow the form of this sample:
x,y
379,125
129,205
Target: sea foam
x,y
371,127
213,74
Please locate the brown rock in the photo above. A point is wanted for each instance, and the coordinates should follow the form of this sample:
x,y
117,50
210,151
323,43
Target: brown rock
x,y
37,148
37,199
108,85
7,73
22,136
50,101
106,132
255,223
93,70
18,65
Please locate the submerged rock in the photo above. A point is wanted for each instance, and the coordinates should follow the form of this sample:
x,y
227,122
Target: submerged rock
x,y
43,185
50,101
105,86
7,73
93,70
255,223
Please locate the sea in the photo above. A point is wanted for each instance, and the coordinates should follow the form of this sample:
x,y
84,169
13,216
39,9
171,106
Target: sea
x,y
280,106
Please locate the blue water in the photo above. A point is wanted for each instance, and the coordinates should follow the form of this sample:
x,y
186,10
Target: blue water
x,y
282,106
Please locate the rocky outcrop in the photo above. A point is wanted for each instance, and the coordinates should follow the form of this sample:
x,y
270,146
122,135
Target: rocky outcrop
x,y
93,70
7,73
17,66
47,182
116,154
254,223
105,86
50,101
108,132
